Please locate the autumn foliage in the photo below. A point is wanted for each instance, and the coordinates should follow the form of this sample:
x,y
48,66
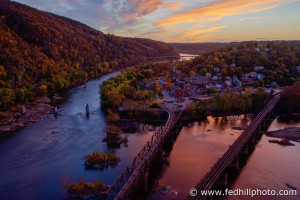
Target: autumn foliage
x,y
41,52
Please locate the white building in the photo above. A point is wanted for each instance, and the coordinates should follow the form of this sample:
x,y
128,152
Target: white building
x,y
216,69
259,68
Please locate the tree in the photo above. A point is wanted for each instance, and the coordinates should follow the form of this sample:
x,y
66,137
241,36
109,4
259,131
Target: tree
x,y
259,99
42,90
191,73
113,129
115,98
148,73
203,71
212,90
112,117
154,104
7,97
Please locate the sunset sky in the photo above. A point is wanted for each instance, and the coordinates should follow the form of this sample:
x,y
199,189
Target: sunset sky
x,y
184,21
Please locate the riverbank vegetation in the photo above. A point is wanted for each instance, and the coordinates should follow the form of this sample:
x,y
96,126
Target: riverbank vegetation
x,y
241,102
133,89
230,103
83,190
41,53
198,109
113,136
289,102
98,160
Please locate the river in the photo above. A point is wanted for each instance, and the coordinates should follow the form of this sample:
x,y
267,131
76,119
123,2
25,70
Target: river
x,y
33,159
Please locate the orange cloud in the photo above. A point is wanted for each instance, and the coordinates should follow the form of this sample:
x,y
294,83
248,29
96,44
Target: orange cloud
x,y
198,32
217,10
171,6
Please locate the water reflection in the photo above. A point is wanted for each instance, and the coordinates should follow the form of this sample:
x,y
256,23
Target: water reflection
x,y
197,147
200,144
271,166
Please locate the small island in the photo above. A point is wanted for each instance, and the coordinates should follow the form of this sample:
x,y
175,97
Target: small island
x,y
98,160
83,190
113,136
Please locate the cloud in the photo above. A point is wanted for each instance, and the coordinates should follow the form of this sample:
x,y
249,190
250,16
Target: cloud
x,y
140,8
250,18
171,5
201,31
166,20
218,9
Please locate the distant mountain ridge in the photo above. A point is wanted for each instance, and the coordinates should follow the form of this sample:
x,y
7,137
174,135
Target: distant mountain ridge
x,y
41,52
199,48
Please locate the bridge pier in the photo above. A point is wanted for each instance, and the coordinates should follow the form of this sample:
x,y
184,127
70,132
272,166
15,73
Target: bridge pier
x,y
252,140
172,138
236,163
264,122
222,183
245,150
258,132
146,176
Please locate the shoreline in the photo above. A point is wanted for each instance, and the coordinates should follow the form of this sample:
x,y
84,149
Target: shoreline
x,y
35,110
287,133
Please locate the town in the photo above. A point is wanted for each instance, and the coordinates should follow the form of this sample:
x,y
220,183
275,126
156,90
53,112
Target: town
x,y
211,83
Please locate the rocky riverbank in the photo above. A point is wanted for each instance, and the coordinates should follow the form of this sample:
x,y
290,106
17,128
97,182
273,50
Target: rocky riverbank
x,y
288,133
19,117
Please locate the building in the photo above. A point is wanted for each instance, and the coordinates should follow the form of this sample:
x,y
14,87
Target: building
x,y
259,68
260,76
180,93
298,69
246,80
201,80
219,76
228,84
253,75
208,75
216,69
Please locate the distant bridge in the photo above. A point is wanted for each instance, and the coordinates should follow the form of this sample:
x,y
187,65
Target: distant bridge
x,y
171,57
218,173
133,176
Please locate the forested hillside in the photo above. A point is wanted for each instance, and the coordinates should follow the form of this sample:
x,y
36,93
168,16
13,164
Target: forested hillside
x,y
41,52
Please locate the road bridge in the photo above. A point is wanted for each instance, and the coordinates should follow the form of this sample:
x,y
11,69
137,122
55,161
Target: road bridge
x,y
171,57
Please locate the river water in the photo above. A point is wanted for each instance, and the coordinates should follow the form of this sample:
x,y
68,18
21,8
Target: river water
x,y
33,159
200,144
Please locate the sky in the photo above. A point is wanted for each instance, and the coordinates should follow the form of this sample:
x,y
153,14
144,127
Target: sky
x,y
184,21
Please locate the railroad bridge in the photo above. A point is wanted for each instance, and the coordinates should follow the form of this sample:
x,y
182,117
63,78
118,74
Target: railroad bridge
x,y
132,177
219,171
